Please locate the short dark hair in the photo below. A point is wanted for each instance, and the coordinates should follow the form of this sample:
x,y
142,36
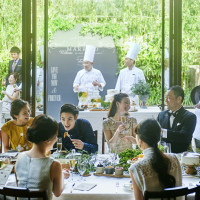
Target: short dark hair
x,y
15,50
69,108
178,91
16,107
42,129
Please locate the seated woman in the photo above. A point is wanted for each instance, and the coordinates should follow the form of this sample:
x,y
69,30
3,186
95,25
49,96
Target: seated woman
x,y
14,131
156,170
76,133
115,131
34,170
10,94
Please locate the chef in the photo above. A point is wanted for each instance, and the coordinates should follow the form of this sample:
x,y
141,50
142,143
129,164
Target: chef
x,y
131,74
89,79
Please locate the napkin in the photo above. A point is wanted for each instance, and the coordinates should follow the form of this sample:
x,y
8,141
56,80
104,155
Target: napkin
x,y
85,186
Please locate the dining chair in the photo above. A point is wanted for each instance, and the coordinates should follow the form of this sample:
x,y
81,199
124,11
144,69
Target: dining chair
x,y
22,192
1,143
96,135
172,193
103,140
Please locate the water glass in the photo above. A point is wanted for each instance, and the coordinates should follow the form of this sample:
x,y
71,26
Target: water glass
x,y
81,166
59,144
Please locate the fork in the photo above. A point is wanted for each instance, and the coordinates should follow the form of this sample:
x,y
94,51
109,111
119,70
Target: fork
x,y
117,186
72,188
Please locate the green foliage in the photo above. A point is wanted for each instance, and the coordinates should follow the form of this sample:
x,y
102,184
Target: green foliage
x,y
141,88
127,155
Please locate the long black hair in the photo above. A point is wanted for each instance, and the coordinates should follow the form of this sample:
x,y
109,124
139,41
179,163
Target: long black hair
x,y
113,107
149,131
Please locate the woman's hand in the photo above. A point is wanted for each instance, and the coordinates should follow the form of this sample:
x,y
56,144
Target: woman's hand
x,y
121,128
3,92
129,139
78,144
66,173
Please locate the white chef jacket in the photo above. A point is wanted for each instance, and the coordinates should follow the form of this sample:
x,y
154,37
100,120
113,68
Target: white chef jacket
x,y
127,78
84,80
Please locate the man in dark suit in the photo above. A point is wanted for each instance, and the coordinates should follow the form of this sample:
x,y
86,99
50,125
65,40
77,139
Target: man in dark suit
x,y
177,123
15,65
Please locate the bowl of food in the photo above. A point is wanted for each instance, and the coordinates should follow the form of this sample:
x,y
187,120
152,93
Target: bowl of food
x,y
100,169
118,171
109,170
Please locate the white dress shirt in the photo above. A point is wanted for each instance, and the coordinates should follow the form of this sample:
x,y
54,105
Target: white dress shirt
x,y
85,78
127,78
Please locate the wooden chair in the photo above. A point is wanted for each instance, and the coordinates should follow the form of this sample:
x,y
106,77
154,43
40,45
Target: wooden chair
x,y
23,192
103,140
1,143
96,135
172,193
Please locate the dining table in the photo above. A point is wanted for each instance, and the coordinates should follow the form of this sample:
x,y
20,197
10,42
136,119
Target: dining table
x,y
105,188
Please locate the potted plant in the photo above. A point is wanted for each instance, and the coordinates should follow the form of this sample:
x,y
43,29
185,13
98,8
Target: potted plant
x,y
143,90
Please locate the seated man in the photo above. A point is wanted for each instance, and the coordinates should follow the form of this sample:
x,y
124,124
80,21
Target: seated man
x,y
76,133
177,123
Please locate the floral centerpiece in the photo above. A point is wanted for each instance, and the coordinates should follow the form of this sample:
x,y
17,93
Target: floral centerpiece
x,y
143,90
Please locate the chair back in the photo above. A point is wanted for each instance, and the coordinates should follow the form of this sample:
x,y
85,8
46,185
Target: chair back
x,y
23,192
103,140
1,143
96,135
172,193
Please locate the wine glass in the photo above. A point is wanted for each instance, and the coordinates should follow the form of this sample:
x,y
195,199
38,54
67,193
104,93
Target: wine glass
x,y
72,163
59,144
123,120
81,166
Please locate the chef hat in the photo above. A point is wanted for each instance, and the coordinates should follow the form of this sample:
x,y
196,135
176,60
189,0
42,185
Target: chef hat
x,y
133,51
42,52
89,53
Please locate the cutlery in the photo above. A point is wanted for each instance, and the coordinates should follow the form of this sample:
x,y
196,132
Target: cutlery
x,y
72,188
117,186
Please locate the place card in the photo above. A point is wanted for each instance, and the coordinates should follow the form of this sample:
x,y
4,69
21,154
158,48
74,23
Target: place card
x,y
85,186
4,174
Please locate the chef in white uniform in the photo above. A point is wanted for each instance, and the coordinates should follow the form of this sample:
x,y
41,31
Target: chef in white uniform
x,y
131,74
89,79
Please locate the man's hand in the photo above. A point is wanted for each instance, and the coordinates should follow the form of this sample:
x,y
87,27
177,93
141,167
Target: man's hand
x,y
76,88
96,83
78,144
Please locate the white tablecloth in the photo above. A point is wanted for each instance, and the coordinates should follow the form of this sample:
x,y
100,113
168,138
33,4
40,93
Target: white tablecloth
x,y
105,189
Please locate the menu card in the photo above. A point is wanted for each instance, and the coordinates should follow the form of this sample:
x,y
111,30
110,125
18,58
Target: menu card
x,y
85,186
4,174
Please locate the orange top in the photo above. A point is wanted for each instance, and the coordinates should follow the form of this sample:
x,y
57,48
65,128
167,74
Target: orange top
x,y
17,135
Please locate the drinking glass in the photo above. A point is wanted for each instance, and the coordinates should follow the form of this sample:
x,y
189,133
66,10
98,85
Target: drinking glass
x,y
72,163
59,144
113,152
123,120
167,147
81,166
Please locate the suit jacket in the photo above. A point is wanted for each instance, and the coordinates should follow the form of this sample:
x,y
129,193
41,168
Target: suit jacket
x,y
18,68
180,135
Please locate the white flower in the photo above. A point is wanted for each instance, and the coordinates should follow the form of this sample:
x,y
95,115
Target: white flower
x,y
21,134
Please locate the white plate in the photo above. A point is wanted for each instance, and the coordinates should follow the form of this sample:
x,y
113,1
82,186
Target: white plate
x,y
127,186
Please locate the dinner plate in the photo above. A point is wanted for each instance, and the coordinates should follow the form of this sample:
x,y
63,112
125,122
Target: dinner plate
x,y
128,186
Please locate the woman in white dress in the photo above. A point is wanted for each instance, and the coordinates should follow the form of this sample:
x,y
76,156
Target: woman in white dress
x,y
35,170
156,170
11,92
